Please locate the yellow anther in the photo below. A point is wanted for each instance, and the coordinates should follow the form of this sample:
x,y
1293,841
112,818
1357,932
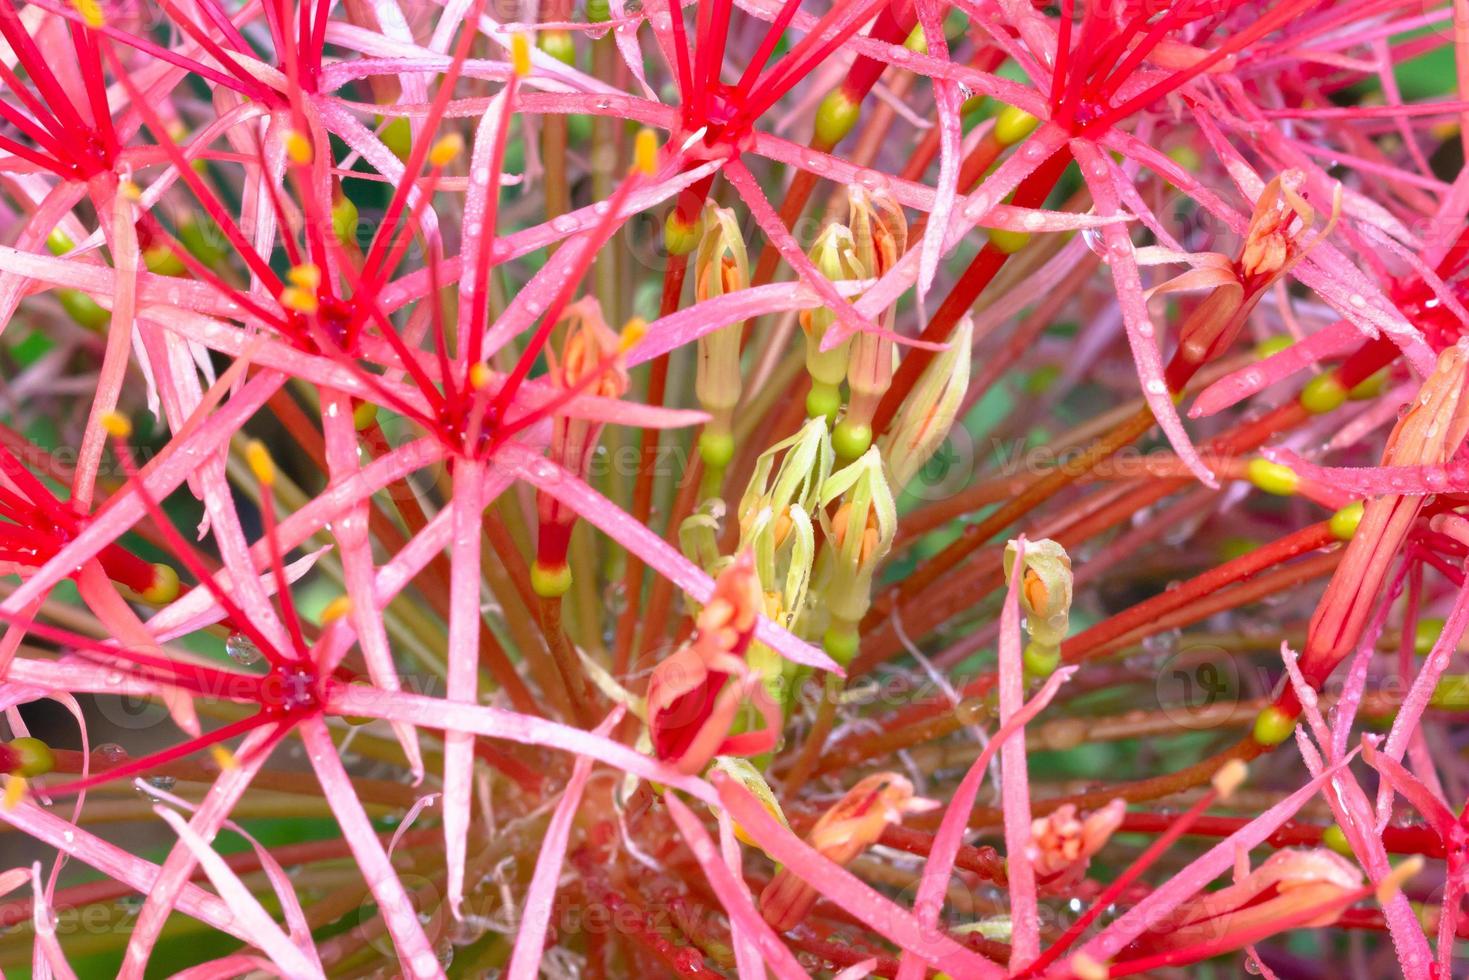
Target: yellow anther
x,y
15,791
258,458
224,758
91,11
337,609
116,425
129,190
1230,777
479,375
445,149
645,152
298,148
1392,883
633,331
298,299
520,54
305,275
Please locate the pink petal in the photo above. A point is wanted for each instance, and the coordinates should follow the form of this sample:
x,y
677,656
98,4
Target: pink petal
x,y
734,896
530,938
839,885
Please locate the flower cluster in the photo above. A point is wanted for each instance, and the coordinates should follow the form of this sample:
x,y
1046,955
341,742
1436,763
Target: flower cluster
x,y
692,489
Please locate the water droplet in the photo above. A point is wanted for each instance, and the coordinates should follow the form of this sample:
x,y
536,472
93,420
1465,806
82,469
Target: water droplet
x,y
1357,301
816,163
1156,387
242,650
68,836
110,754
872,180
1034,220
564,223
1093,239
164,783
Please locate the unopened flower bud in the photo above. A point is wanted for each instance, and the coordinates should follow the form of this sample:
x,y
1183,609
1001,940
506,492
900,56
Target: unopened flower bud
x,y
835,117
880,237
1045,589
853,824
721,266
26,757
590,363
835,256
924,419
860,534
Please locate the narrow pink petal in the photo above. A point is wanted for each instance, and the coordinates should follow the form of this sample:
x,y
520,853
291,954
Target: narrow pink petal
x,y
125,257
47,958
1336,340
734,896
173,879
415,953
442,715
530,939
123,510
748,962
355,544
1160,902
117,864
1014,779
463,662
840,886
946,96
1099,174
264,933
950,836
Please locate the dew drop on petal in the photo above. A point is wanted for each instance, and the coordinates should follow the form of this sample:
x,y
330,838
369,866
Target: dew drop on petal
x,y
110,754
241,649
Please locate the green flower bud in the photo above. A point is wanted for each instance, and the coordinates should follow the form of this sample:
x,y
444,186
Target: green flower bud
x,y
931,408
559,45
1044,590
29,757
835,255
859,534
1323,393
721,266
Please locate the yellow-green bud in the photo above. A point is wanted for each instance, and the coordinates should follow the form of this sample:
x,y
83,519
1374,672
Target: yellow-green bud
x,y
841,643
1273,726
680,237
30,757
550,582
1370,386
344,221
1013,124
716,449
161,260
1040,659
1336,839
851,440
1426,634
1344,522
1273,477
835,118
1008,242
1271,346
559,45
397,136
1323,393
